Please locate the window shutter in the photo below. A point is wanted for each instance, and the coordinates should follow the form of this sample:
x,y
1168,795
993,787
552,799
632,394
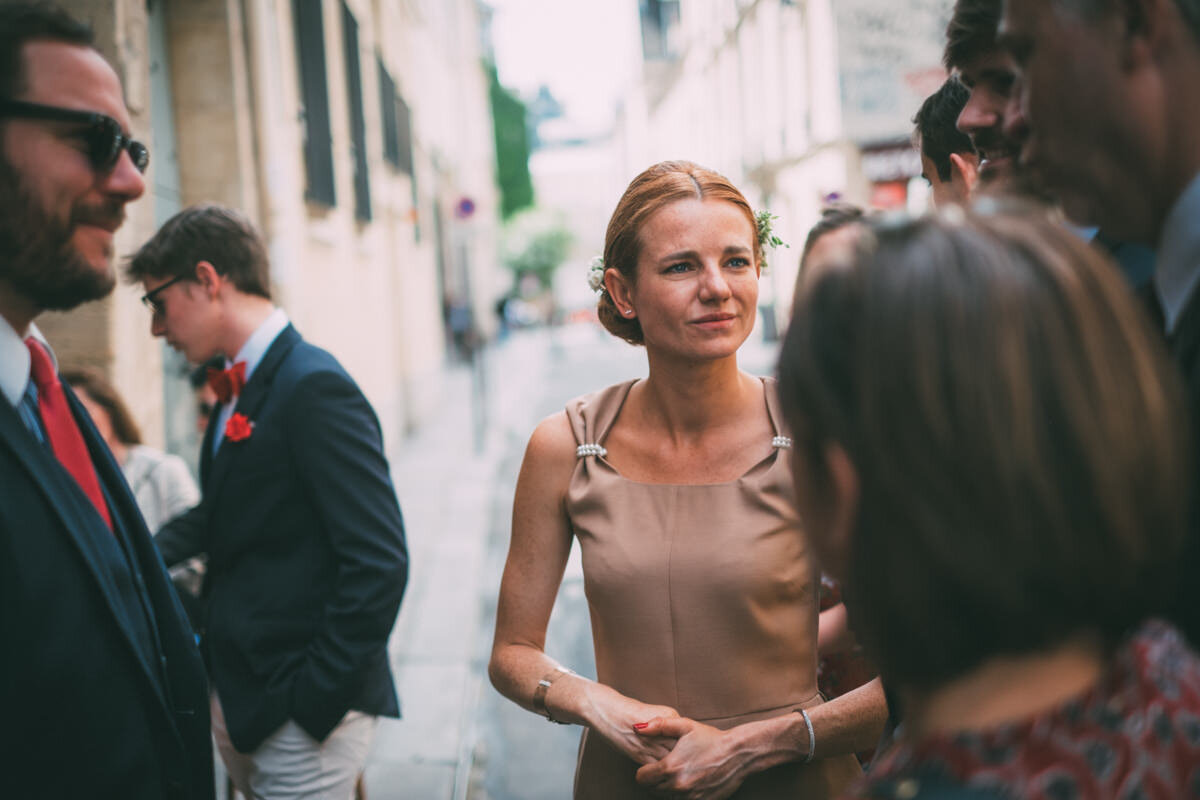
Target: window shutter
x,y
314,94
404,131
358,132
387,113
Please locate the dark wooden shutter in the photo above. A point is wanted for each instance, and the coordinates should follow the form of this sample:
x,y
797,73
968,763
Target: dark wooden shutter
x,y
358,131
387,113
404,135
314,94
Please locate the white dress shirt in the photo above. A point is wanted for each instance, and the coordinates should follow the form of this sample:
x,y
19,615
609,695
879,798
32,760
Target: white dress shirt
x,y
1179,255
14,361
252,353
16,384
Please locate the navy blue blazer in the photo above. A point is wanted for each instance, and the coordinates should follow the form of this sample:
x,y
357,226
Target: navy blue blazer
x,y
86,712
1184,345
307,561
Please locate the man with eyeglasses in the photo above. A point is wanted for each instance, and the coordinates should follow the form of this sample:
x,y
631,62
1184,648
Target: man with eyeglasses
x,y
307,562
101,685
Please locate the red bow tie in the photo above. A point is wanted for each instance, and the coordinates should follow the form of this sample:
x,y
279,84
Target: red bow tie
x,y
227,383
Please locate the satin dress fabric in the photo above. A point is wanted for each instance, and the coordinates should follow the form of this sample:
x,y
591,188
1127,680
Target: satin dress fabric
x,y
702,597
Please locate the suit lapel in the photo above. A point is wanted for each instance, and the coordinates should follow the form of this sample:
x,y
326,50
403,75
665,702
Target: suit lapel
x,y
206,453
73,508
249,403
1185,339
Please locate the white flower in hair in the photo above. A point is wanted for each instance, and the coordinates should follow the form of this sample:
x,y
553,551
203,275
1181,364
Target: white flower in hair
x,y
596,274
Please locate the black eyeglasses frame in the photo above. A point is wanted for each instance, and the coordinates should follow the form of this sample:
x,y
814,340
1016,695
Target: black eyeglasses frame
x,y
150,299
105,138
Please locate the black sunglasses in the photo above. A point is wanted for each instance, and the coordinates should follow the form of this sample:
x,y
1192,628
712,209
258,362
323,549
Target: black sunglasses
x,y
150,299
103,134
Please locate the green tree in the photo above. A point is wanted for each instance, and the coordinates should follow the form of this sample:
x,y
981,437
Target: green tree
x,y
535,243
512,148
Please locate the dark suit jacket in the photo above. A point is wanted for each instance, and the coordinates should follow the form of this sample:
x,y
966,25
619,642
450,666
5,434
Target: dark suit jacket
x,y
307,560
85,714
1184,344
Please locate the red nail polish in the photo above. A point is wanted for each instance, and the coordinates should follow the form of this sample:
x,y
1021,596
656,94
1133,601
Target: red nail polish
x,y
637,726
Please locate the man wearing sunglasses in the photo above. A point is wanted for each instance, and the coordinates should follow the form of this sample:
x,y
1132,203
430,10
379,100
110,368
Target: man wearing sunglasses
x,y
101,685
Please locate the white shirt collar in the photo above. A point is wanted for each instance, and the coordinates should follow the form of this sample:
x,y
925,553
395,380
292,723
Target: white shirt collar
x,y
14,360
260,341
1179,254
1085,232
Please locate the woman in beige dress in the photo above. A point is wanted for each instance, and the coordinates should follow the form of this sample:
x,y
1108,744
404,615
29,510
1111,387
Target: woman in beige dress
x,y
701,586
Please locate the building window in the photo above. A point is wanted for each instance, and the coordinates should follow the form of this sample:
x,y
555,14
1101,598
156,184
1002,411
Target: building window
x,y
314,96
660,29
387,113
404,136
397,124
358,132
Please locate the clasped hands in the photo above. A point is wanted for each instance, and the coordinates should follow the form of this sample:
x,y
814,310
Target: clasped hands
x,y
698,761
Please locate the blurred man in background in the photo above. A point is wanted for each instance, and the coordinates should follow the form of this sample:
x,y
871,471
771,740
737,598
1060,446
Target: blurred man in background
x,y
1126,72
949,163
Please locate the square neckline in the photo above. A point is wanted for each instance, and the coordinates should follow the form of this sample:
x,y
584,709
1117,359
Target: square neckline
x,y
761,465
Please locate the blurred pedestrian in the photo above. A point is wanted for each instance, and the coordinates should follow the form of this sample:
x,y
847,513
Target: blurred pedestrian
x,y
700,581
307,559
949,163
987,453
161,482
1125,75
830,241
103,691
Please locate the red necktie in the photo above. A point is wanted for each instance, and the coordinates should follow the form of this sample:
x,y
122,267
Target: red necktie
x,y
227,383
65,438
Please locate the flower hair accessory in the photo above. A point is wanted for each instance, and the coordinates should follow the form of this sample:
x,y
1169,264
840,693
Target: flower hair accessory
x,y
596,274
763,223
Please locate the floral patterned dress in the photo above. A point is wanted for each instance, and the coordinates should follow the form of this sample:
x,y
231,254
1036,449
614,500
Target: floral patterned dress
x,y
1135,735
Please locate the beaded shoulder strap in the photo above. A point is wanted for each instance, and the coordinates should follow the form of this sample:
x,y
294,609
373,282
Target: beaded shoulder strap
x,y
593,415
779,442
585,450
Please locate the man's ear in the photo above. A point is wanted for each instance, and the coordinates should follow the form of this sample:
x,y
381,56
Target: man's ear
x,y
1143,24
619,290
844,490
966,169
208,277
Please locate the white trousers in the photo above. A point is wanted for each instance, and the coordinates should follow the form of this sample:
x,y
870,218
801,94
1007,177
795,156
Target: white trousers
x,y
291,765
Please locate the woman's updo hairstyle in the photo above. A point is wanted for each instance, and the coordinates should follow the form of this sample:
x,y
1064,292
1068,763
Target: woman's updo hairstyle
x,y
659,186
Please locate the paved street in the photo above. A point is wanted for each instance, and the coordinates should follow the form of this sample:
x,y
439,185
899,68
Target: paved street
x,y
459,738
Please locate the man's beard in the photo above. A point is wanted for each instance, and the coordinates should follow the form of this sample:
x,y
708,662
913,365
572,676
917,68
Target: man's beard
x,y
37,258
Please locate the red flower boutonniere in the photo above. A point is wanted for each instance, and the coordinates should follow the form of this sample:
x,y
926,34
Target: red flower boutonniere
x,y
238,428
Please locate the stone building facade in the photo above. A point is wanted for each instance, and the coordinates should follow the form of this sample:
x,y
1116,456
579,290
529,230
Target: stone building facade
x,y
796,101
356,134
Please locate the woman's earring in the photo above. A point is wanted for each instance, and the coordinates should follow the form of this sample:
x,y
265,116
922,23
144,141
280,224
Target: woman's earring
x,y
629,312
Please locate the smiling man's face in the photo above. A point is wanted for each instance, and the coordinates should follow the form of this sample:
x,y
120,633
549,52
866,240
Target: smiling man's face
x,y
989,77
58,213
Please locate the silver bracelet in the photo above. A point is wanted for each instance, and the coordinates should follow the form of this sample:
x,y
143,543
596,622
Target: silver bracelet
x,y
543,686
812,739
